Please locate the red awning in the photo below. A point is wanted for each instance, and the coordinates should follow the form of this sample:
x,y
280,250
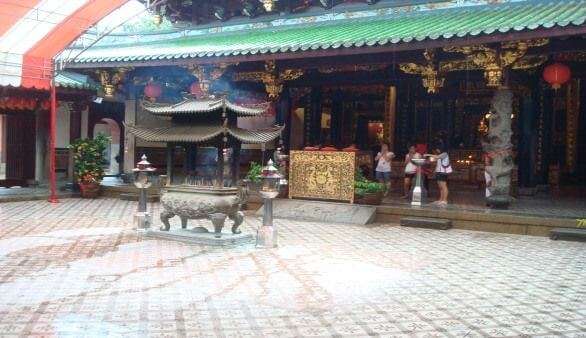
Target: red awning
x,y
32,32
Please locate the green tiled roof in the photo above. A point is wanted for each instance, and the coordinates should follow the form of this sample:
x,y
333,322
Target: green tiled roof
x,y
72,80
464,21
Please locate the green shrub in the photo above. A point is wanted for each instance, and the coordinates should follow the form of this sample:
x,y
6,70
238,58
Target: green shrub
x,y
254,172
364,187
88,158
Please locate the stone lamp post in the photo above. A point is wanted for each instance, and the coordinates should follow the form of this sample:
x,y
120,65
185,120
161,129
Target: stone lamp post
x,y
271,182
143,174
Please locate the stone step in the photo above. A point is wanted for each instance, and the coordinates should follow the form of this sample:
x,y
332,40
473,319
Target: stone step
x,y
324,212
428,223
134,197
568,233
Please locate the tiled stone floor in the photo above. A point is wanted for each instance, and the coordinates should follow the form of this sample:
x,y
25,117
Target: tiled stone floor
x,y
77,269
474,201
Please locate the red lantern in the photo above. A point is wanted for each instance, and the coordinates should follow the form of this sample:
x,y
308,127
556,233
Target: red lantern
x,y
195,90
557,74
153,90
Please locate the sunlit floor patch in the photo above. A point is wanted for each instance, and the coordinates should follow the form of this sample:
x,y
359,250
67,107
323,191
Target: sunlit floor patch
x,y
71,276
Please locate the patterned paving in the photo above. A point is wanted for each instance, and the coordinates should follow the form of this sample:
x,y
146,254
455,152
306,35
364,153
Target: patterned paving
x,y
78,269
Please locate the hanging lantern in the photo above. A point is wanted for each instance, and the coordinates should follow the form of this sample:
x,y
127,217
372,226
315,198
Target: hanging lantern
x,y
557,74
153,91
195,90
269,5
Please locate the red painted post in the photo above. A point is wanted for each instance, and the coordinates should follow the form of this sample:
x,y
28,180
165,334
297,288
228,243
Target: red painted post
x,y
52,137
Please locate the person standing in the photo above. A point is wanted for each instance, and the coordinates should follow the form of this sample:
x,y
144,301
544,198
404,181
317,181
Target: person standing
x,y
443,169
410,171
383,166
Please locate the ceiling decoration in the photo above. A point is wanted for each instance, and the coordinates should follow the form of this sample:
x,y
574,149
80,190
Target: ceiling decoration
x,y
202,12
353,68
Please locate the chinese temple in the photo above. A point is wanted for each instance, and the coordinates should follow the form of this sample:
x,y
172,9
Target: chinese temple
x,y
339,73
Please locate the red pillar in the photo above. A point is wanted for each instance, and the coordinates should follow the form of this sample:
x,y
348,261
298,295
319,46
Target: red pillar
x,y
52,138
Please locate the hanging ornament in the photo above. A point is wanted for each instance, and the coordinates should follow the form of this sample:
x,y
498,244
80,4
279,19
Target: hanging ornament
x,y
557,74
269,5
153,91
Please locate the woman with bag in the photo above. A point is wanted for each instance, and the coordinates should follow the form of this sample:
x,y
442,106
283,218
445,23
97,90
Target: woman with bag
x,y
443,169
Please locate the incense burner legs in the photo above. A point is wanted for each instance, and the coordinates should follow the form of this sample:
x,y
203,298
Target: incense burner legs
x,y
202,204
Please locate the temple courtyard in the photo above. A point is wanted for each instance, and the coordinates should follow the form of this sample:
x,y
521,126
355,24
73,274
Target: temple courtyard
x,y
79,269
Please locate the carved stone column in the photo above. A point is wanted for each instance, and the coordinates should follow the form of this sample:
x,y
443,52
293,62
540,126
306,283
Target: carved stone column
x,y
499,148
129,139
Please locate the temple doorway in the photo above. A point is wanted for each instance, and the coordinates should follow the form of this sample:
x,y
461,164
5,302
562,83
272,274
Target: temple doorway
x,y
111,129
17,149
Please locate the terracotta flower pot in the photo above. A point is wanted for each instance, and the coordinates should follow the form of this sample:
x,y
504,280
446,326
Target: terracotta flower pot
x,y
370,198
89,190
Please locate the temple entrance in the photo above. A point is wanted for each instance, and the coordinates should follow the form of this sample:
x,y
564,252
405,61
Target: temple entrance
x,y
110,128
17,149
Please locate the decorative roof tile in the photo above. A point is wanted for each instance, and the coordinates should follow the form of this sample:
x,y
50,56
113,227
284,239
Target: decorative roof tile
x,y
194,134
348,33
255,136
72,80
202,133
194,106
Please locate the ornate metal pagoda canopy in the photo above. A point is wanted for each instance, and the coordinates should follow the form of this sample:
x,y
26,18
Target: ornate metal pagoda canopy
x,y
200,129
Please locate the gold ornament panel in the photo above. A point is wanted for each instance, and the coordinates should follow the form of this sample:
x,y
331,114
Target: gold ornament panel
x,y
327,175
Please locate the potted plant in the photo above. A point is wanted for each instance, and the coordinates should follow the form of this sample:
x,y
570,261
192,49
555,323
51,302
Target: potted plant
x,y
368,192
88,164
253,175
251,183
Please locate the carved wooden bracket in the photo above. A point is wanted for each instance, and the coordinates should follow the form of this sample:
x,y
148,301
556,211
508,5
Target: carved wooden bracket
x,y
110,79
494,61
271,77
432,77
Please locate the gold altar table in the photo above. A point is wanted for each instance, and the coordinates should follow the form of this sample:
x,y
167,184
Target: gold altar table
x,y
324,175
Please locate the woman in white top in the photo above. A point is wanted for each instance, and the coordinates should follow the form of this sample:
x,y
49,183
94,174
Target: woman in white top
x,y
383,166
410,171
442,169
